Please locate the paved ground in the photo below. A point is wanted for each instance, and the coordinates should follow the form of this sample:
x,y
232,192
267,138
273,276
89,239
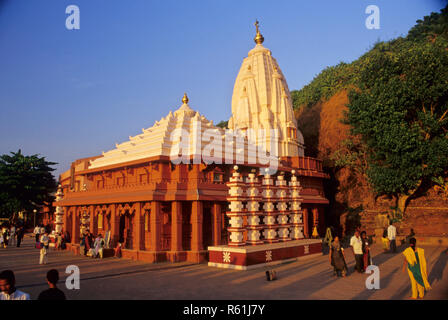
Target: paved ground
x,y
308,279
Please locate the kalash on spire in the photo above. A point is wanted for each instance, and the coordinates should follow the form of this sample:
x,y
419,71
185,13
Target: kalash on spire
x,y
259,37
261,101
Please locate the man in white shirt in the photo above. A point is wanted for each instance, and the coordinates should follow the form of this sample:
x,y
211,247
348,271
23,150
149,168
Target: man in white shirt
x,y
37,233
44,250
356,244
391,234
8,289
12,236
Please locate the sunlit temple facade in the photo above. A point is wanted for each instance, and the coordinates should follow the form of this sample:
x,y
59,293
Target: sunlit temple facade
x,y
216,201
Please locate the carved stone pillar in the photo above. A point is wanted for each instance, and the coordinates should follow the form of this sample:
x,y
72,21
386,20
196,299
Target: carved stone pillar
x,y
92,222
216,216
296,216
282,208
236,213
253,213
176,226
305,215
59,212
196,220
138,224
156,226
114,226
269,197
75,225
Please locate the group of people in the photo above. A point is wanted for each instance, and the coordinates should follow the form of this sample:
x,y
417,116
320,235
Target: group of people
x,y
8,290
360,245
414,258
11,235
91,246
43,241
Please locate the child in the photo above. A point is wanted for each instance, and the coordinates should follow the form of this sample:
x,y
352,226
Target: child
x,y
118,250
385,241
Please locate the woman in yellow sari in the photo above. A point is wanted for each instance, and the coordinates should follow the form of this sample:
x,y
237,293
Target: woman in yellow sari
x,y
416,264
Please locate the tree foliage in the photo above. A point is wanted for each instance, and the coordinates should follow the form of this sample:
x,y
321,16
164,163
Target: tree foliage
x,y
398,105
223,124
325,84
345,75
25,182
400,109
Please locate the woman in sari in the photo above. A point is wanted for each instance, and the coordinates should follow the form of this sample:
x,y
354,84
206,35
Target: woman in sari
x,y
416,264
337,258
98,245
365,250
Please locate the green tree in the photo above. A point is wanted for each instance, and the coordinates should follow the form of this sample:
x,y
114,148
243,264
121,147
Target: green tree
x,y
223,124
400,109
25,182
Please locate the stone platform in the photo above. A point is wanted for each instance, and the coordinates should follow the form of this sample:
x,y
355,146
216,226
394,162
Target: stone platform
x,y
256,256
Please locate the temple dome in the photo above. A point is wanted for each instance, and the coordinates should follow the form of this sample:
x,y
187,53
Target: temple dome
x,y
158,139
261,100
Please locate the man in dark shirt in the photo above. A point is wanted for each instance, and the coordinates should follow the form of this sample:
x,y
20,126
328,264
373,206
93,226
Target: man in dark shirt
x,y
20,233
53,293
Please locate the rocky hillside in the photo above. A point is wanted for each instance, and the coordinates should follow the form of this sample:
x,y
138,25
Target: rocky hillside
x,y
320,107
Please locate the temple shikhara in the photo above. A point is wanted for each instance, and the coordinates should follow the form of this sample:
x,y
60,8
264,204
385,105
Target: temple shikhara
x,y
187,190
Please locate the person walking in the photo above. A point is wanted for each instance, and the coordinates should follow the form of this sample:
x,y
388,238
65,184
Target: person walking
x,y
8,287
20,233
385,241
315,234
42,229
99,245
82,245
365,251
117,250
5,234
53,292
44,250
58,241
391,235
356,244
410,236
64,240
12,235
67,238
37,232
414,260
337,258
90,252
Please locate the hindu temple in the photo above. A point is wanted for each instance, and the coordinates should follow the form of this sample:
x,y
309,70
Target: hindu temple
x,y
170,194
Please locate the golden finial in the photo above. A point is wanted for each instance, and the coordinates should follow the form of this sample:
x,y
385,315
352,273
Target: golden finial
x,y
185,99
258,38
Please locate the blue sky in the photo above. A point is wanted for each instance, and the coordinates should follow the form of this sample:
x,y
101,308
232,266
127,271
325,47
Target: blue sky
x,y
69,94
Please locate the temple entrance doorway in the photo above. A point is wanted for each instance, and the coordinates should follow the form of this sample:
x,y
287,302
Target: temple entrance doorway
x,y
125,230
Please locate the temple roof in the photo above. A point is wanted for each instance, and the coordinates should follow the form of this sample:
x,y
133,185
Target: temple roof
x,y
261,100
156,140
